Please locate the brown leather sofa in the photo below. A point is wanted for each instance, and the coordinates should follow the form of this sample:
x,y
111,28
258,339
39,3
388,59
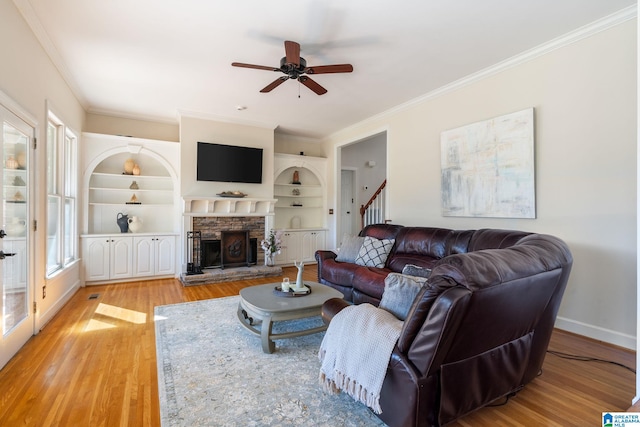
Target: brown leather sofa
x,y
476,332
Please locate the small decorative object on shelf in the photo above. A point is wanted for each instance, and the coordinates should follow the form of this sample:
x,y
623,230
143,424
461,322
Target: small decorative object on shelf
x,y
134,186
11,163
19,182
232,194
18,197
22,160
134,200
136,169
123,222
295,191
272,245
296,204
128,166
135,224
296,222
296,178
299,285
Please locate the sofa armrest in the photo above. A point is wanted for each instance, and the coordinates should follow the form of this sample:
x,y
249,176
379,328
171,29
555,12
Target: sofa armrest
x,y
321,256
331,307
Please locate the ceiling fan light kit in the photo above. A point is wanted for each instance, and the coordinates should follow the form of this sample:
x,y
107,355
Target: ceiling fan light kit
x,y
295,67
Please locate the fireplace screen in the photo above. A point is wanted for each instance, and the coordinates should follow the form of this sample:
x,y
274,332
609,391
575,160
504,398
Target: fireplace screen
x,y
234,248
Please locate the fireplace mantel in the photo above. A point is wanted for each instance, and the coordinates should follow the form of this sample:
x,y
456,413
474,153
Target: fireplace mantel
x,y
228,206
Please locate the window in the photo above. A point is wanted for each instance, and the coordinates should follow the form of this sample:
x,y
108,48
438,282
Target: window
x,y
62,180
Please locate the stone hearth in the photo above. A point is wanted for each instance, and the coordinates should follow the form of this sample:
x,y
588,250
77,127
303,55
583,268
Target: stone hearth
x,y
219,275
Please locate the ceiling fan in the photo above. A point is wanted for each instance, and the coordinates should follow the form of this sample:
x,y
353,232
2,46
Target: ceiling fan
x,y
295,67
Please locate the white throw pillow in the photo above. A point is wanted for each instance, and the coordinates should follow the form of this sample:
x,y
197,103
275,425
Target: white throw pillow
x,y
399,292
350,248
374,252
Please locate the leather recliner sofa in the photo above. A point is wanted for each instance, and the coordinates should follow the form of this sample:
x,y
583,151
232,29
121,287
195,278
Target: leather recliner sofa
x,y
477,331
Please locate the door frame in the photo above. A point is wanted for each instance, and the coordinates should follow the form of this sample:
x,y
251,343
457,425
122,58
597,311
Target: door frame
x,y
356,207
30,322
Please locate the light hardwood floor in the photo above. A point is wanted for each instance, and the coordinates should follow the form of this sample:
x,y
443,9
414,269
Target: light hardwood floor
x,y
94,364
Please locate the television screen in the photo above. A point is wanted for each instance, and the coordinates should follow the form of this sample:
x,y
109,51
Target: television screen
x,y
229,163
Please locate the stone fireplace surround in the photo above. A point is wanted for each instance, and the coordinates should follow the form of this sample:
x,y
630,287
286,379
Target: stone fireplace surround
x,y
211,228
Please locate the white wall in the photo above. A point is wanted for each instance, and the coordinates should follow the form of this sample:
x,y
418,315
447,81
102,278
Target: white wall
x,y
194,130
584,95
29,78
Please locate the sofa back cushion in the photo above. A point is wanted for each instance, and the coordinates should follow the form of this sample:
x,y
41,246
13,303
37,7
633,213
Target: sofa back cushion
x,y
421,246
494,239
381,231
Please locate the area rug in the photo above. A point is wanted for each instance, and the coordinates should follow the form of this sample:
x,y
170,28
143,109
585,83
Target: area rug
x,y
213,372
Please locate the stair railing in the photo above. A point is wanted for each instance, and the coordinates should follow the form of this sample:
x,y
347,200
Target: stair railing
x,y
373,211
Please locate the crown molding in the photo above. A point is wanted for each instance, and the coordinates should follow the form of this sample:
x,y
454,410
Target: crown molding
x,y
567,39
213,117
131,116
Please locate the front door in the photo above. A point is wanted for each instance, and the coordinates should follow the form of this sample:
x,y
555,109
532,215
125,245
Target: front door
x,y
17,318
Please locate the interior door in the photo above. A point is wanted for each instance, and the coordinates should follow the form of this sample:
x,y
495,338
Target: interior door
x,y
348,209
17,318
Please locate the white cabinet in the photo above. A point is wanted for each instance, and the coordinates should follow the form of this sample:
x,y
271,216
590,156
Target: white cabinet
x,y
107,257
153,255
300,245
312,241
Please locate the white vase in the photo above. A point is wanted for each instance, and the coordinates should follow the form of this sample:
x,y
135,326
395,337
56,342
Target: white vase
x,y
135,224
269,260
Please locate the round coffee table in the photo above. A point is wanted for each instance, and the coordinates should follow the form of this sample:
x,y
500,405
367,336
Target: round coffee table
x,y
260,303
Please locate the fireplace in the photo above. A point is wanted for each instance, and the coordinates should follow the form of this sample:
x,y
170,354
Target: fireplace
x,y
212,256
211,229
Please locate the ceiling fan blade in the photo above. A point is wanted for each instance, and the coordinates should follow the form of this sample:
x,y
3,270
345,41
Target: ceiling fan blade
x,y
257,67
311,84
274,84
326,69
292,50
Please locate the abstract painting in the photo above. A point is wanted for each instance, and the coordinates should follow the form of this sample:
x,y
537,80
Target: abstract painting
x,y
488,168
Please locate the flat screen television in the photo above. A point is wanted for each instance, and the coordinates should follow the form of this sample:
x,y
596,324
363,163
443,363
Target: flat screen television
x,y
229,163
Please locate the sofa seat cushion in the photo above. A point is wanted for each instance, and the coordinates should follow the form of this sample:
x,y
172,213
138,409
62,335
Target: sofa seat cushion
x,y
339,273
370,280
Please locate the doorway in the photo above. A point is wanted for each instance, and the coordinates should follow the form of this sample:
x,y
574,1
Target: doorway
x,y
17,324
349,212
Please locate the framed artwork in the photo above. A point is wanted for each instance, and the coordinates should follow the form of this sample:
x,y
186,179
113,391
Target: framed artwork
x,y
488,168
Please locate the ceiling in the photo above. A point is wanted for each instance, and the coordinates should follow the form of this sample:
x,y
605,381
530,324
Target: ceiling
x,y
157,59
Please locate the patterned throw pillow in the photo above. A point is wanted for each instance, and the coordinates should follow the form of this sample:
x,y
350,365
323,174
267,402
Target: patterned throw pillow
x,y
399,293
374,252
350,248
414,270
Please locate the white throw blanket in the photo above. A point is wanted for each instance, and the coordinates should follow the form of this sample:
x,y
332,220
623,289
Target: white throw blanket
x,y
355,352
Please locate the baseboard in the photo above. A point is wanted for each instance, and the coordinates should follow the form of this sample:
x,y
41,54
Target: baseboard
x,y
44,318
597,333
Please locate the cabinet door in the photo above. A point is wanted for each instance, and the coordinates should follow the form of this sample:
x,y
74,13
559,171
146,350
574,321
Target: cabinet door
x,y
311,242
165,255
290,248
143,256
96,258
121,259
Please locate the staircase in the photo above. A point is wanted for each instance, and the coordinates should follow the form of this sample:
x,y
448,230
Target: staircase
x,y
373,211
